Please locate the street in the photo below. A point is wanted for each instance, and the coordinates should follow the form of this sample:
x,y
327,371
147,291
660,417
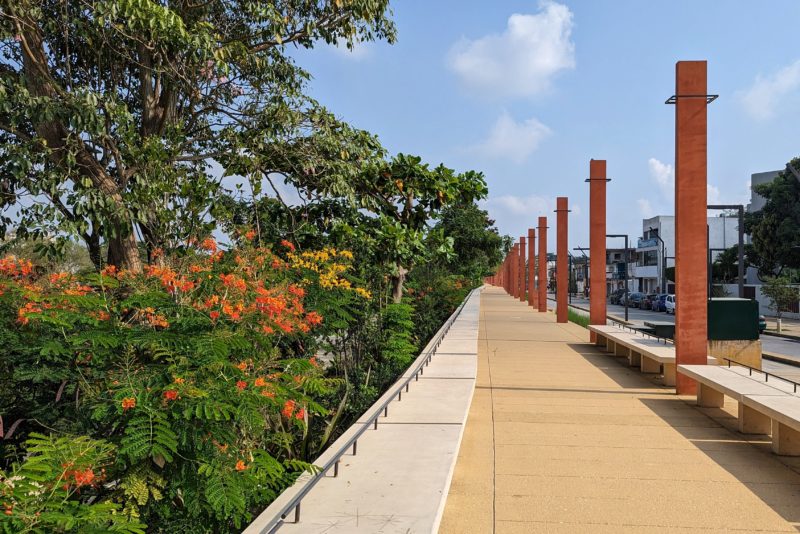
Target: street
x,y
770,344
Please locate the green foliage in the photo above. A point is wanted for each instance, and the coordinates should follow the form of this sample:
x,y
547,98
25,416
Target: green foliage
x,y
477,246
123,116
775,229
780,293
578,318
56,489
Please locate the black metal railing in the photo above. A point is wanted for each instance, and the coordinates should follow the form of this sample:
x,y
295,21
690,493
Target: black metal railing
x,y
269,521
765,373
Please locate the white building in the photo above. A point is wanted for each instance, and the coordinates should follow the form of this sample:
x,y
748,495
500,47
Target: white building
x,y
656,248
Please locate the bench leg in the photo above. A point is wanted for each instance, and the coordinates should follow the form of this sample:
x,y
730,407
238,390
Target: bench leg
x,y
650,366
669,374
634,359
752,421
785,440
708,397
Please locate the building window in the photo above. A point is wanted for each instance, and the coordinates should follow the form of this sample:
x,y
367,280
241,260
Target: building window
x,y
648,258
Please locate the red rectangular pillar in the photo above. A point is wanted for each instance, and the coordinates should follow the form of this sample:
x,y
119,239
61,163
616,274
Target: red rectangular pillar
x,y
514,267
562,261
542,264
691,241
531,267
522,286
597,242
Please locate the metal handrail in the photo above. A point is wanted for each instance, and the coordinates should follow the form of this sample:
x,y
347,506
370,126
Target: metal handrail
x,y
271,523
765,373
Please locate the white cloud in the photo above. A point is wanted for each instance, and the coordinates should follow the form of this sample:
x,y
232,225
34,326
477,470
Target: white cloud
x,y
713,195
768,93
533,206
514,214
522,60
664,176
645,208
514,140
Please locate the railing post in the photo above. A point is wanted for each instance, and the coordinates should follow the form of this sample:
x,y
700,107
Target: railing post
x,y
336,469
376,423
297,513
355,447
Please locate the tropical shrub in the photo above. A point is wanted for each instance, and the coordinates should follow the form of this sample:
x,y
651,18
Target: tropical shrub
x,y
199,372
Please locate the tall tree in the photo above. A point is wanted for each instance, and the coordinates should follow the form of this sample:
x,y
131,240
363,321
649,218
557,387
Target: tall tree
x,y
775,229
119,118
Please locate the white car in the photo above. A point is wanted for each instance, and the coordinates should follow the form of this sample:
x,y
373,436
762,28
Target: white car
x,y
669,303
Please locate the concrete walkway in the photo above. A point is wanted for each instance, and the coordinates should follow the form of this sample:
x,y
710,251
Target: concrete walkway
x,y
562,437
398,480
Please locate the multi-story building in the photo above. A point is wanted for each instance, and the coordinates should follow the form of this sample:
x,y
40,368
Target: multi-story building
x,y
615,269
656,248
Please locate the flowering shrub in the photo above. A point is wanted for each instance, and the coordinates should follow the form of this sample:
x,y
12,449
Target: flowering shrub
x,y
197,371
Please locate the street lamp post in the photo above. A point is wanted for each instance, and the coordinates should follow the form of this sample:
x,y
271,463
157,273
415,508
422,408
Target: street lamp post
x,y
663,261
625,236
586,281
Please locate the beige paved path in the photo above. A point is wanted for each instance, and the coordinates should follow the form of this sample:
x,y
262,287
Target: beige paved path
x,y
564,438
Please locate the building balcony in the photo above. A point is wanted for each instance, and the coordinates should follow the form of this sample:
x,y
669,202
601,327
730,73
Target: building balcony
x,y
645,271
644,244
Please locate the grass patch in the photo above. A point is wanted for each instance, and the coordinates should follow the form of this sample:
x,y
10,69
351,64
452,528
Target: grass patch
x,y
578,318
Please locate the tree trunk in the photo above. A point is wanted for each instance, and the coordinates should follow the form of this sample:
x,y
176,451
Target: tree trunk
x,y
124,253
397,284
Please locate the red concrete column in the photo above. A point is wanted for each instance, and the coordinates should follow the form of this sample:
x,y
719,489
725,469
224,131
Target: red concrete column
x,y
597,242
691,242
514,279
522,286
542,296
562,260
531,267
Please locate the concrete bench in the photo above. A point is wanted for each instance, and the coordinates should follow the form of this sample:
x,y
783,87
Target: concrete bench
x,y
650,355
764,407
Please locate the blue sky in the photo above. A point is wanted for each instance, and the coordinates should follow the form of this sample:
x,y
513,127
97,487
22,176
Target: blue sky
x,y
528,92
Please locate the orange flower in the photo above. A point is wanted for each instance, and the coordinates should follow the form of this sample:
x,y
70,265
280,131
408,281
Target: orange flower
x,y
83,478
242,366
241,384
287,244
57,278
267,393
179,380
300,414
250,235
260,382
240,465
288,409
157,252
209,244
214,315
313,318
128,403
299,291
171,394
313,361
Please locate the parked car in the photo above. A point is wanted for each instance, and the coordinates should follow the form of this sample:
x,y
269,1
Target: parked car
x,y
762,324
660,305
649,302
670,304
616,295
634,299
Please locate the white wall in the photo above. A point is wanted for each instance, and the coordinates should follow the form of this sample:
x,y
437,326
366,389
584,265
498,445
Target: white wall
x,y
763,301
